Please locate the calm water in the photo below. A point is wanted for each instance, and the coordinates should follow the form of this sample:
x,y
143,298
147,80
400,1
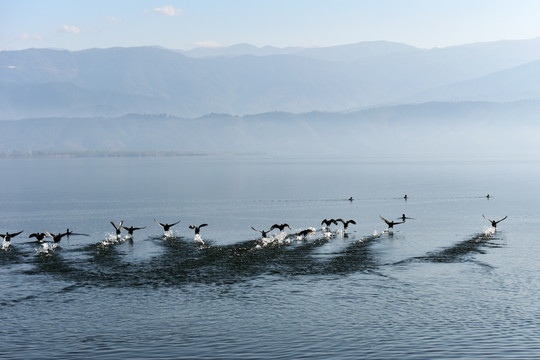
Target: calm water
x,y
440,286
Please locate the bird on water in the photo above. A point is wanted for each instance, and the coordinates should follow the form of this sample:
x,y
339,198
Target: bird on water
x,y
118,227
56,238
131,229
281,227
197,228
391,223
166,227
346,223
8,236
263,232
493,222
39,236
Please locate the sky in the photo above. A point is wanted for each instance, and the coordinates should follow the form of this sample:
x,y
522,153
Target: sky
x,y
82,24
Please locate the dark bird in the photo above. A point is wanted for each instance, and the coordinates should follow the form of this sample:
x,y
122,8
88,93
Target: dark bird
x,y
197,228
39,236
281,227
263,232
403,217
493,222
166,227
351,199
405,197
118,227
346,223
488,196
56,238
7,236
131,229
390,223
305,232
328,222
68,232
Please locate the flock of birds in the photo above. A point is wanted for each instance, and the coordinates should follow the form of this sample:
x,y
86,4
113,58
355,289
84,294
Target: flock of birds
x,y
326,223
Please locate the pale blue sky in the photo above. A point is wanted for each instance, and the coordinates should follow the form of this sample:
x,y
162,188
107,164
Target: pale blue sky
x,y
82,24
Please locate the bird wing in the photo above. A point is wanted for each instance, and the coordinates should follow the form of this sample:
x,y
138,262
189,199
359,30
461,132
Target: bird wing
x,y
116,227
502,219
487,218
351,222
160,224
175,223
20,232
203,225
275,226
256,229
386,221
341,220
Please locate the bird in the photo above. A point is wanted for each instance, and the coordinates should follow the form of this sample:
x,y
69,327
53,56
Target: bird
x,y
197,228
281,227
493,222
403,217
263,232
305,232
328,222
351,199
131,229
166,227
118,227
7,236
346,223
68,232
405,197
39,236
56,238
390,223
488,196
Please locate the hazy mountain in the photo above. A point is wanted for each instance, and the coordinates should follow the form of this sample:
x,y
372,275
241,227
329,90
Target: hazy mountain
x,y
116,81
521,82
436,129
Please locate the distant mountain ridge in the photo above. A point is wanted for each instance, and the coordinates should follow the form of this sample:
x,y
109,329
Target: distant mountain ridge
x,y
243,79
427,129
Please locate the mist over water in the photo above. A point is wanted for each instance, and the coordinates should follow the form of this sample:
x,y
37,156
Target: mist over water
x,y
443,284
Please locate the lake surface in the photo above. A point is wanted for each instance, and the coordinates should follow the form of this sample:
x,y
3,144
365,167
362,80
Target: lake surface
x,y
440,285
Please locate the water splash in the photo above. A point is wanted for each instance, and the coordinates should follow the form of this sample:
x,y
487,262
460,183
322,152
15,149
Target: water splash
x,y
198,239
5,245
490,231
46,248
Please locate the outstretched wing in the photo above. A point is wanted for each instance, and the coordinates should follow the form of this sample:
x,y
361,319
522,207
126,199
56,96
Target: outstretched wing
x,y
386,221
202,225
175,223
116,227
487,218
160,224
502,219
20,232
351,222
275,226
256,229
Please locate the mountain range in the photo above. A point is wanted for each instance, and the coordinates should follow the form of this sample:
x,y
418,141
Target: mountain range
x,y
244,79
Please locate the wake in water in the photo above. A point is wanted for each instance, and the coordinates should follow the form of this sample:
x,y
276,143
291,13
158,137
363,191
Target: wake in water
x,y
113,239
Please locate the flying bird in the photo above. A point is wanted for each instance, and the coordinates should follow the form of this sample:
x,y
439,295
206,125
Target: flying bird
x,y
56,238
7,236
118,227
493,222
281,227
390,223
263,232
68,232
39,236
166,227
131,229
328,222
346,223
197,228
